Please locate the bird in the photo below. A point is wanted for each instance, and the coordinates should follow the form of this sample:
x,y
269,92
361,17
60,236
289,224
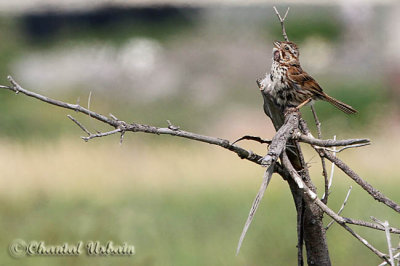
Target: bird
x,y
290,86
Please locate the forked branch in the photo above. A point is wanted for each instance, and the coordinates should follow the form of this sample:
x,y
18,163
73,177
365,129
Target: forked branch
x,y
282,21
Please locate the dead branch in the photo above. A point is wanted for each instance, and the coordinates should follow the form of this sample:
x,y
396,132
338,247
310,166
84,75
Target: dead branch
x,y
328,142
392,230
267,177
341,208
377,195
332,167
385,224
282,21
278,143
121,126
311,196
347,147
324,172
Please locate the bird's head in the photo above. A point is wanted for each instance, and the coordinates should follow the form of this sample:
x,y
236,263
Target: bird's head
x,y
285,51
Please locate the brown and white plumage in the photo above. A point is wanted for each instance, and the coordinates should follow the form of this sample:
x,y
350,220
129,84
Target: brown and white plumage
x,y
291,86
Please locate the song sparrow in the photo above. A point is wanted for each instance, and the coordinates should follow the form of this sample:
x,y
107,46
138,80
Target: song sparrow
x,y
290,86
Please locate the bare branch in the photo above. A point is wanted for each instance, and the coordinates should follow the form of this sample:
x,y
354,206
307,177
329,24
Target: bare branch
x,y
326,181
89,99
332,171
79,124
17,88
341,208
317,123
102,134
311,196
278,143
282,21
267,177
375,226
348,147
332,166
121,126
385,224
365,242
397,257
328,142
377,195
345,200
324,172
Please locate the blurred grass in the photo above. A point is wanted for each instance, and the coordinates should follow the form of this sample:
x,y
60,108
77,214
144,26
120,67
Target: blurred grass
x,y
178,204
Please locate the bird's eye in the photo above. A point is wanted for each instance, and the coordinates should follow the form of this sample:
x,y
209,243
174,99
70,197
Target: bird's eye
x,y
287,48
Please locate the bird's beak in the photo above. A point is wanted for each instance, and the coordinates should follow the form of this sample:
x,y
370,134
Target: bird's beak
x,y
277,44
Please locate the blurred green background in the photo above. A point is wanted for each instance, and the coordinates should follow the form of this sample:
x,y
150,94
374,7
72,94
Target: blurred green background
x,y
180,202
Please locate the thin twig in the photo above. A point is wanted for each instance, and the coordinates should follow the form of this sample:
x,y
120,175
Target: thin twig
x,y
76,107
282,20
375,226
345,201
385,224
332,170
347,147
328,142
101,134
341,208
324,172
326,181
267,177
89,99
317,123
79,124
113,117
332,166
397,256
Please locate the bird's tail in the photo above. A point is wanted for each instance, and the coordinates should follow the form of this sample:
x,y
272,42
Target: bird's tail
x,y
338,104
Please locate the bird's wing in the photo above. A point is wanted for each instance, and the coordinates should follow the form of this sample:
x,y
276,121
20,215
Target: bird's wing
x,y
303,80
